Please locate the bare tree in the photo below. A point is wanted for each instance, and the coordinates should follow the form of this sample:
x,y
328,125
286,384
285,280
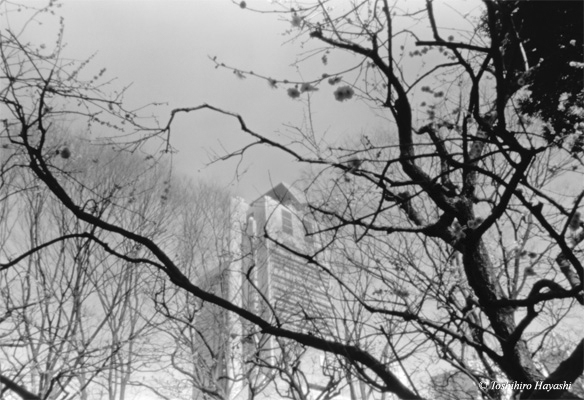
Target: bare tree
x,y
458,242
483,258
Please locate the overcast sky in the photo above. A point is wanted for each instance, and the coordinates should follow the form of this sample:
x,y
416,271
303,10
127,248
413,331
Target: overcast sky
x,y
162,48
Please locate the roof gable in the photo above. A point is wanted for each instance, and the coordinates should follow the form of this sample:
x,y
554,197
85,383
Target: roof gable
x,y
286,195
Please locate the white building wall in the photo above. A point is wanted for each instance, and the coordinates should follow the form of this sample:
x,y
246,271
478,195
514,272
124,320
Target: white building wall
x,y
234,294
260,264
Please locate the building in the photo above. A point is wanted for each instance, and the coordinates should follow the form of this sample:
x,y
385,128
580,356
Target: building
x,y
272,270
280,282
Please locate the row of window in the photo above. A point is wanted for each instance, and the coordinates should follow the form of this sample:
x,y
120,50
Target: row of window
x,y
288,226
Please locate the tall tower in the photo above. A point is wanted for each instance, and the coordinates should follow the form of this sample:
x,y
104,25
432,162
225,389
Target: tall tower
x,y
264,271
271,272
280,283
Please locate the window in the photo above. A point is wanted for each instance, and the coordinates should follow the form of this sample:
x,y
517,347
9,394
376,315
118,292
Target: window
x,y
287,222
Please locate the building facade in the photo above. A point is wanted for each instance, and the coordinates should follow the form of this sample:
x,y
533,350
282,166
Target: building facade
x,y
272,271
280,281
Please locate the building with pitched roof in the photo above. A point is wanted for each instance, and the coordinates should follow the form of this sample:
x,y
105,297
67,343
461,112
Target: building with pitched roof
x,y
281,282
272,271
